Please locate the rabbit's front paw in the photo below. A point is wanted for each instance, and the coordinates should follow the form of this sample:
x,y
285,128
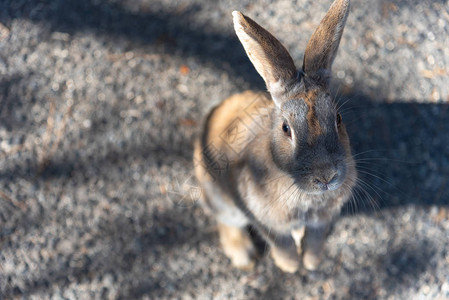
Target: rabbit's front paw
x,y
237,246
311,260
287,261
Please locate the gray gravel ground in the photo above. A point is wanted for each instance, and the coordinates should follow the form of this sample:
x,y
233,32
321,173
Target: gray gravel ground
x,y
100,100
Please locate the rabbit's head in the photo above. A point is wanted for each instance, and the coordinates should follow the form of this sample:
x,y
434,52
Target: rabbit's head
x,y
308,139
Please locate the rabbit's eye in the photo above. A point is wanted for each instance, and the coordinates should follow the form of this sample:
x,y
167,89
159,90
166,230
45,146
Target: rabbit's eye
x,y
338,120
286,129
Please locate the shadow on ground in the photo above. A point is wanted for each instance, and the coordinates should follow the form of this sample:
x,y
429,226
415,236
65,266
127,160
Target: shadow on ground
x,y
166,33
401,151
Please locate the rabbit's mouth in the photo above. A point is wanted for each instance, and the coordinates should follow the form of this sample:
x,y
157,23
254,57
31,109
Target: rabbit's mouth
x,y
318,185
323,189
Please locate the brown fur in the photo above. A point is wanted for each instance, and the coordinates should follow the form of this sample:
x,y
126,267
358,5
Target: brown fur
x,y
314,125
248,167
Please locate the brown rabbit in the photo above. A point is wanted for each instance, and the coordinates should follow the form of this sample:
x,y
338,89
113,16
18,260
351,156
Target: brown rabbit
x,y
280,162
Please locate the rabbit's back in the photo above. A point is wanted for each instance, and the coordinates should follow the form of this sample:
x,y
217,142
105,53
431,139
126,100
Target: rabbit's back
x,y
229,129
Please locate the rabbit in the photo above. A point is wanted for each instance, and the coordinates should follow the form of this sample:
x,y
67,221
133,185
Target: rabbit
x,y
280,161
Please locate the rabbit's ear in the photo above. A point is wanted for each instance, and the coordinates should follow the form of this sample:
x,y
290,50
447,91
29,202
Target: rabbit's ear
x,y
323,44
267,54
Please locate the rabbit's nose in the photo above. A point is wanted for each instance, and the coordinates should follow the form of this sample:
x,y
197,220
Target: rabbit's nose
x,y
326,182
